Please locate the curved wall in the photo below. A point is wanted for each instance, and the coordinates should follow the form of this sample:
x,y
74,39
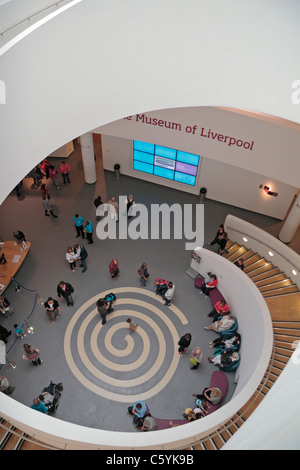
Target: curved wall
x,y
101,61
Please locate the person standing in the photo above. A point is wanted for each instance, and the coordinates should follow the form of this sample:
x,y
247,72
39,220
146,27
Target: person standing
x,y
5,387
19,331
129,203
88,230
65,290
114,268
53,175
19,237
71,258
184,343
104,308
114,208
52,309
46,199
98,202
223,239
79,221
65,171
169,293
81,254
196,357
31,353
143,272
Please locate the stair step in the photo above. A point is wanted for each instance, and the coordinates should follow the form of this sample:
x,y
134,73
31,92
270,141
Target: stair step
x,y
281,291
271,279
266,275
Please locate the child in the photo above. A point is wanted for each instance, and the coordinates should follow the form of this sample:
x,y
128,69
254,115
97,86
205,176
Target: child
x,y
132,325
19,331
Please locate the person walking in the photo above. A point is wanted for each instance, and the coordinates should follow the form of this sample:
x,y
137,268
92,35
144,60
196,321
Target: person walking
x,y
169,293
65,290
71,258
114,268
46,201
31,353
52,309
78,221
65,171
184,343
88,230
196,357
81,254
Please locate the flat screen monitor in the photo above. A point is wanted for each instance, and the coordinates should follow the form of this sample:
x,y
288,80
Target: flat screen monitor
x,y
165,162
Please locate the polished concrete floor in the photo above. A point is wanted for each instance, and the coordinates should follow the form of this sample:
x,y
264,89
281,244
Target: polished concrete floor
x,y
104,369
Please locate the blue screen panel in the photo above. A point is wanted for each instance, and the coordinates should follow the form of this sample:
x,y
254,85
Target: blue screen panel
x,y
143,146
143,157
141,166
188,158
165,152
186,179
163,172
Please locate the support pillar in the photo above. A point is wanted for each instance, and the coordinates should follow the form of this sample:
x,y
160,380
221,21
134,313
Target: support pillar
x,y
292,222
88,157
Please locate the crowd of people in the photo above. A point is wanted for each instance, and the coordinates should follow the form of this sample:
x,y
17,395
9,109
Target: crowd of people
x,y
226,346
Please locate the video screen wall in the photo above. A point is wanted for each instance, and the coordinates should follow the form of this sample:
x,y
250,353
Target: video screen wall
x,y
165,162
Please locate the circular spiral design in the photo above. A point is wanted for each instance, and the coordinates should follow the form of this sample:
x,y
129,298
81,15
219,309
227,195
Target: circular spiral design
x,y
140,360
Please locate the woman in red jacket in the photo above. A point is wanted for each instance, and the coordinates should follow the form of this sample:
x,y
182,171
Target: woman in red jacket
x,y
114,268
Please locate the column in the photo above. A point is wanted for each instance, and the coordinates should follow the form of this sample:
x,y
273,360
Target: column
x,y
88,158
292,222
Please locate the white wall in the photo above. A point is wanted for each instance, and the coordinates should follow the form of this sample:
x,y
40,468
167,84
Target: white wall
x,y
161,55
224,182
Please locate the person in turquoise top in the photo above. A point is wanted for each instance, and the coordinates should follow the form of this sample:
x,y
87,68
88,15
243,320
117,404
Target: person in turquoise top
x,y
79,221
39,406
139,410
88,230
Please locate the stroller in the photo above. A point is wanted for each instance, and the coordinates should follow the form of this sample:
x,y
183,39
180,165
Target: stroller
x,y
50,396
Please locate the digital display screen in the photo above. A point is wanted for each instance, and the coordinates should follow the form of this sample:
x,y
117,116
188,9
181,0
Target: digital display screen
x,y
165,162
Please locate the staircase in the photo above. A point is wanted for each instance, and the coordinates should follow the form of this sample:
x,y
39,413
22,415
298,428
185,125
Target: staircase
x,y
283,299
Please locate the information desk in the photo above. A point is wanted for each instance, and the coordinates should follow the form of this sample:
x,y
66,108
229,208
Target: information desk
x,y
15,254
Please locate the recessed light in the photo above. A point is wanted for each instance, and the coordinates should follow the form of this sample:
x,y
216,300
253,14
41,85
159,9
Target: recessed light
x,y
245,239
270,253
294,272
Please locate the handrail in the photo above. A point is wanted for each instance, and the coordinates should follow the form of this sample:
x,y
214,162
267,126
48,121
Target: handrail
x,y
28,18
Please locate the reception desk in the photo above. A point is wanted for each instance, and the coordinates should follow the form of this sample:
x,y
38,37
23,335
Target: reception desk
x,y
15,255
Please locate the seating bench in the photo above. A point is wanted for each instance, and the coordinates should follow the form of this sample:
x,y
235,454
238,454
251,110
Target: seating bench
x,y
214,294
218,379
